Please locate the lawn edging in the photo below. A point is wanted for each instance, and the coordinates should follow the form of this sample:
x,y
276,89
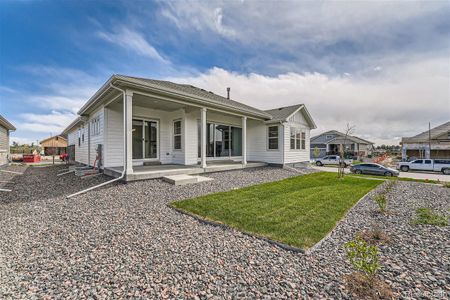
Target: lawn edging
x,y
367,195
227,227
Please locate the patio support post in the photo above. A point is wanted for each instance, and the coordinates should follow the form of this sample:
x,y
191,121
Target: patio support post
x,y
244,141
203,136
128,111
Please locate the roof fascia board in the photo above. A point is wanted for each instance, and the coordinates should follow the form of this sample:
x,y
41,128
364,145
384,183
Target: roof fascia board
x,y
5,123
171,99
95,97
193,101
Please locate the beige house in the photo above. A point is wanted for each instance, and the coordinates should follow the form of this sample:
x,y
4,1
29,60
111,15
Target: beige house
x,y
145,128
5,128
418,146
54,145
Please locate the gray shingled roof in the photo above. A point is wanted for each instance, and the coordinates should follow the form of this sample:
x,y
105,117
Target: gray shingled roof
x,y
282,113
5,123
435,132
193,91
340,134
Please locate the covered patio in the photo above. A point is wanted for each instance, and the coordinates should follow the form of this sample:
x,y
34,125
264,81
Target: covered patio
x,y
158,171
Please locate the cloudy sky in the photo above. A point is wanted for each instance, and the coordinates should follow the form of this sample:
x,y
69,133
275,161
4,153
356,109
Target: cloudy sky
x,y
382,66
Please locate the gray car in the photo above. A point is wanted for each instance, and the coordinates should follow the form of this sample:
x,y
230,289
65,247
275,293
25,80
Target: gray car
x,y
373,169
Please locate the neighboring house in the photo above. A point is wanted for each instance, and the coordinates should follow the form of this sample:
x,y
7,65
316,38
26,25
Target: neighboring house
x,y
5,129
178,124
54,145
419,146
329,143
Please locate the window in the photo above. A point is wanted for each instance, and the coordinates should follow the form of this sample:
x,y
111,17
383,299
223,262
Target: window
x,y
221,140
419,161
272,137
95,126
82,135
428,161
303,140
177,135
297,139
292,138
79,137
329,137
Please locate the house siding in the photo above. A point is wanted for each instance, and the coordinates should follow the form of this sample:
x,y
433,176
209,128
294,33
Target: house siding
x,y
296,155
257,149
95,140
113,154
4,145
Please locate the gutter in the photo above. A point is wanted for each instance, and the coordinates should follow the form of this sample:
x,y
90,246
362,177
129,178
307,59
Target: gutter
x,y
124,151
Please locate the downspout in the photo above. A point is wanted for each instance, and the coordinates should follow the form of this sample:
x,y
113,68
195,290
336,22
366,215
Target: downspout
x,y
124,150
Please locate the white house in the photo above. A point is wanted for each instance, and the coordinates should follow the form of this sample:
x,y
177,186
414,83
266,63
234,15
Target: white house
x,y
5,128
170,125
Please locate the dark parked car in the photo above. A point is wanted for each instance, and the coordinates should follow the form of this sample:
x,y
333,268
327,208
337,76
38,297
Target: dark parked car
x,y
373,169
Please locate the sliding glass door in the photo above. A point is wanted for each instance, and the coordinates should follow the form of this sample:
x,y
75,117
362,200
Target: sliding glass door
x,y
145,139
221,140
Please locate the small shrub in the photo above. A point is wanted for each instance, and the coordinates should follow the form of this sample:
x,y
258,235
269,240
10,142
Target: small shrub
x,y
381,201
446,184
375,236
390,184
360,288
426,216
363,257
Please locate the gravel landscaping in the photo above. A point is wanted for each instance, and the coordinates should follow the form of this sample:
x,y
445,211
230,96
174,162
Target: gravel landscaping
x,y
124,241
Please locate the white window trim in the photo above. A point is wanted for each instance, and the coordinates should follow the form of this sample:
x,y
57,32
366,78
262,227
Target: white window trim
x,y
95,126
302,141
299,144
268,138
178,134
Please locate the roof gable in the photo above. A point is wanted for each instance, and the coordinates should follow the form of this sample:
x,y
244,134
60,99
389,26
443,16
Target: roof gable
x,y
282,114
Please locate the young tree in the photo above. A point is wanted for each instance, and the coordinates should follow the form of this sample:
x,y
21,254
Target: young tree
x,y
316,152
341,168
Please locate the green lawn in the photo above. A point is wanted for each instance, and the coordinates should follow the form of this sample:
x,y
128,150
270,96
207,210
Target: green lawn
x,y
298,211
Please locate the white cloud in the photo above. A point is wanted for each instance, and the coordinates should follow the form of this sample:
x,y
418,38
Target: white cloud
x,y
293,22
132,40
53,103
400,101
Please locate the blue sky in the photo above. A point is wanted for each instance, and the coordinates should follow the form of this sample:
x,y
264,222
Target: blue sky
x,y
381,66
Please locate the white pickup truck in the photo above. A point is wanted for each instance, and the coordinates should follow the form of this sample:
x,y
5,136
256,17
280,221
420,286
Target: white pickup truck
x,y
436,165
332,160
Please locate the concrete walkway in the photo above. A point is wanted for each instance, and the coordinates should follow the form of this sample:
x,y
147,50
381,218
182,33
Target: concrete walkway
x,y
413,175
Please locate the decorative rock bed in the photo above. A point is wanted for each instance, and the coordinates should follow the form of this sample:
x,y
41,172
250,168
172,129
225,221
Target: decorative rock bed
x,y
123,241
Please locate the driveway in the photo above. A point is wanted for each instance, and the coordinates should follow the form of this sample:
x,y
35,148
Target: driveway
x,y
413,175
123,241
